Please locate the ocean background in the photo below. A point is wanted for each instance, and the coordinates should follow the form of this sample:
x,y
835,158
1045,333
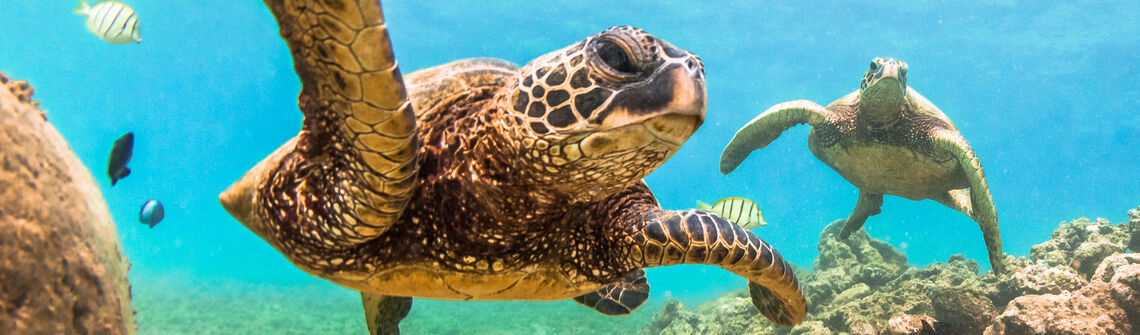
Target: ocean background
x,y
1046,92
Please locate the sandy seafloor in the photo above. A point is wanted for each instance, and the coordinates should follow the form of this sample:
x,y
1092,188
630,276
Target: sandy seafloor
x,y
172,305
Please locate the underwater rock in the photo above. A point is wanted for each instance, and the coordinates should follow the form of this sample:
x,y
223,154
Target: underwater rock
x,y
1126,290
1110,264
62,269
863,286
1040,279
728,314
810,328
1082,243
1134,229
1088,311
673,319
907,324
844,263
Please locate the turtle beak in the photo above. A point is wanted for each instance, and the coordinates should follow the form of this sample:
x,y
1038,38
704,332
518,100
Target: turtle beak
x,y
890,73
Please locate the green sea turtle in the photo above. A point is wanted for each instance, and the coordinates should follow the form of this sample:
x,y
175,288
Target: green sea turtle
x,y
884,138
505,183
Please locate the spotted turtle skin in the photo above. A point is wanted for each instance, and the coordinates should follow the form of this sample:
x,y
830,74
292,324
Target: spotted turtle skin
x,y
483,180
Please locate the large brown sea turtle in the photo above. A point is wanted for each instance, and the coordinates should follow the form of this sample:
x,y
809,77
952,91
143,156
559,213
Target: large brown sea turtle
x,y
884,138
505,183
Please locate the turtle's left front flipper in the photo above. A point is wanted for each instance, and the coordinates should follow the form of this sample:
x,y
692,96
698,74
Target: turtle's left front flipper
x,y
349,174
383,313
697,237
981,205
619,298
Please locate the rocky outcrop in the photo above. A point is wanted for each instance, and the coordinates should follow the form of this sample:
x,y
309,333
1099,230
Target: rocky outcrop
x,y
1089,311
1134,229
1079,281
62,269
1082,244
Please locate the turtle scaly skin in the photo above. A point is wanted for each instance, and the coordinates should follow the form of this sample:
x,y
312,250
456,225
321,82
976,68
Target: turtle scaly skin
x,y
884,138
508,183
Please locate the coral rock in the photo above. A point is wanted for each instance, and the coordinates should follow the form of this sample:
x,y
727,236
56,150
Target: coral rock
x,y
673,319
844,263
1088,311
62,269
1109,266
907,324
1126,290
1037,279
1134,228
1081,243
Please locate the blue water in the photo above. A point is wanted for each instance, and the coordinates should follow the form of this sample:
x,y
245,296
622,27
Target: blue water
x,y
1046,92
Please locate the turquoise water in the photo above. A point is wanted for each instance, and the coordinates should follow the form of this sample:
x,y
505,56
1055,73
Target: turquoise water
x,y
1046,93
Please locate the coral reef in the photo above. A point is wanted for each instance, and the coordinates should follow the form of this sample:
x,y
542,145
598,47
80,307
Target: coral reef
x,y
62,269
1080,281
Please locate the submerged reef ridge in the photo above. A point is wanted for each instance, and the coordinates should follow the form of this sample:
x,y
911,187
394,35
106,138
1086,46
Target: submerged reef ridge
x,y
1085,279
62,269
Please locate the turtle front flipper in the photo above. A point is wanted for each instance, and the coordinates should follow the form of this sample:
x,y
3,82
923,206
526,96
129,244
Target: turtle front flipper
x,y
698,237
349,174
767,126
383,313
619,298
981,205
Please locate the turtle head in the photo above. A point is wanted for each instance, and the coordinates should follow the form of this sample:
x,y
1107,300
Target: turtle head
x,y
600,115
882,91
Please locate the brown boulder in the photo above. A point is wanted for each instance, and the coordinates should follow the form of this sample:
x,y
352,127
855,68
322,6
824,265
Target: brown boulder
x,y
62,270
1089,311
1126,290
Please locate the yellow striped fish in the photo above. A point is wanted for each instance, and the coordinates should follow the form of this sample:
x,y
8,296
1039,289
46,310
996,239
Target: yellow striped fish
x,y
110,20
741,211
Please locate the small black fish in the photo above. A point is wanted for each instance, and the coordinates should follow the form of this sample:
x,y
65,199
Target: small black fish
x,y
120,155
151,213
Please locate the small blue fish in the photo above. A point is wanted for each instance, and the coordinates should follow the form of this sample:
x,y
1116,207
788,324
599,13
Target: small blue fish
x,y
151,213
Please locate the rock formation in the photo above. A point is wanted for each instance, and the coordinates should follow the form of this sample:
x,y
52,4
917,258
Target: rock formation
x,y
62,269
1080,281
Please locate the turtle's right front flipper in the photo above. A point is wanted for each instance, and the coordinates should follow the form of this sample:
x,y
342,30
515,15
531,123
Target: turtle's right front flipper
x,y
767,126
619,298
349,174
697,237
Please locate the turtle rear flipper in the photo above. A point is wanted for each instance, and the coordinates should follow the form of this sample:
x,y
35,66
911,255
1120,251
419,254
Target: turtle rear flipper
x,y
766,127
869,204
619,298
383,313
696,237
349,173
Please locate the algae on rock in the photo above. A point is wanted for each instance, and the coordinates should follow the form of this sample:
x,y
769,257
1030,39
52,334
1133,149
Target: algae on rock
x,y
1077,282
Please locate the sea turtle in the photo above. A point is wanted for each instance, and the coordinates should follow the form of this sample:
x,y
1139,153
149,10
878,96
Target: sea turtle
x,y
884,138
505,183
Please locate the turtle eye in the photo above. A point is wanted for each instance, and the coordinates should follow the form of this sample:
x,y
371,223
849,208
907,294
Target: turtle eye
x,y
874,66
615,57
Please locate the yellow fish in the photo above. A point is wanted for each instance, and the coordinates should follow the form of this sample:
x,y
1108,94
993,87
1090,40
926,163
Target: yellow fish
x,y
741,211
110,20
